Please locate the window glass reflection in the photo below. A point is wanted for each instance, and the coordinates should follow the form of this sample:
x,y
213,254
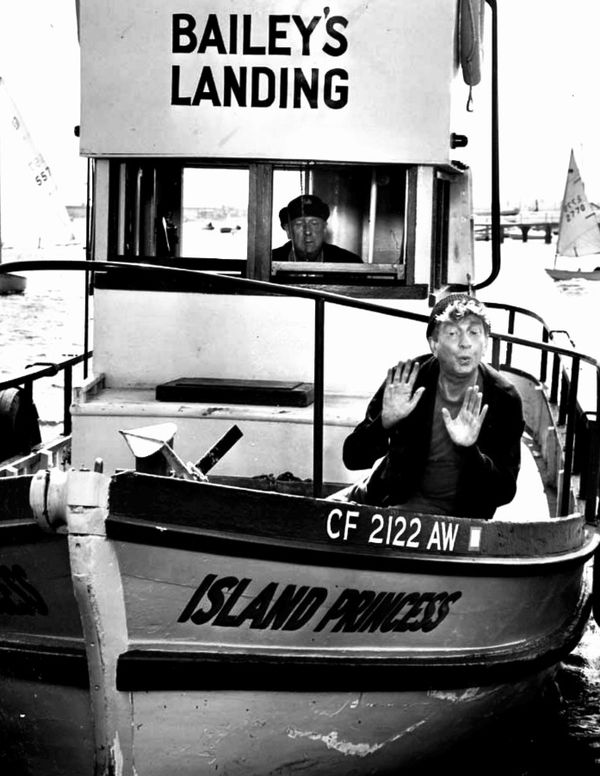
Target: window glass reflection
x,y
215,213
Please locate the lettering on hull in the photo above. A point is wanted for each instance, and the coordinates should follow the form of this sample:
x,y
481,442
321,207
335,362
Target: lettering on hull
x,y
224,602
17,595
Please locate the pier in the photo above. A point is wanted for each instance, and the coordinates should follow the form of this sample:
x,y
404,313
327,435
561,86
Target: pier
x,y
519,222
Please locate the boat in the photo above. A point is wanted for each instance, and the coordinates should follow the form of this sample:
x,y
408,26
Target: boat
x,y
578,232
185,590
16,139
9,284
12,284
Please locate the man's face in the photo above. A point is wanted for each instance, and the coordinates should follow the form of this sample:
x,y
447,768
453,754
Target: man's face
x,y
459,346
307,235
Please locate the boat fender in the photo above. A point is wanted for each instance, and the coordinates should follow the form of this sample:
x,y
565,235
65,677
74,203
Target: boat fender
x,y
470,39
48,499
19,423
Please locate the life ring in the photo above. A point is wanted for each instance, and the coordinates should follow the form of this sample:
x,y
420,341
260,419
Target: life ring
x,y
19,423
470,39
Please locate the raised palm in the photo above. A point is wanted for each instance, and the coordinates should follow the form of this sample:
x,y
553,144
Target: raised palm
x,y
465,427
399,396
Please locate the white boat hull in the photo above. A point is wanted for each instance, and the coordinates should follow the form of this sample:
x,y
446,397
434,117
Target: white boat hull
x,y
247,631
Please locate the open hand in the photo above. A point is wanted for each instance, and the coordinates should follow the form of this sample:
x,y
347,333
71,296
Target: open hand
x,y
464,429
398,397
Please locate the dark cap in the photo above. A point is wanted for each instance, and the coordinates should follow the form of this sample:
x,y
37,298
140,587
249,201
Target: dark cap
x,y
304,206
455,307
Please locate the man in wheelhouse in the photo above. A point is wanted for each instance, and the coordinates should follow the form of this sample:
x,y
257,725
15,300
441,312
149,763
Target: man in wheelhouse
x,y
443,431
304,220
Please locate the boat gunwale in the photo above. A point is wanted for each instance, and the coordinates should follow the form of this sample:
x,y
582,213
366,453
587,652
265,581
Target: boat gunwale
x,y
134,531
129,521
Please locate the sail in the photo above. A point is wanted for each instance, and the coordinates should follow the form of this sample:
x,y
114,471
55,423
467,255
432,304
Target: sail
x,y
578,230
53,214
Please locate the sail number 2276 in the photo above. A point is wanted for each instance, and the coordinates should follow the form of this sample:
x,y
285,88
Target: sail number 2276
x,y
391,530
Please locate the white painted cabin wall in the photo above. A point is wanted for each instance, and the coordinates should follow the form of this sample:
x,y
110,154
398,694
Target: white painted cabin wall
x,y
267,446
145,338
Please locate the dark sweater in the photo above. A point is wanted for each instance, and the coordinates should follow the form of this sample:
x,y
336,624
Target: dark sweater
x,y
330,253
489,468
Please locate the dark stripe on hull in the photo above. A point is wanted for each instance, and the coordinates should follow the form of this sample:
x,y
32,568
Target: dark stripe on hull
x,y
147,670
65,666
162,511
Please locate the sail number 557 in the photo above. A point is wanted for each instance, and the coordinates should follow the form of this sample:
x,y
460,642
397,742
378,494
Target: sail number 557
x,y
392,530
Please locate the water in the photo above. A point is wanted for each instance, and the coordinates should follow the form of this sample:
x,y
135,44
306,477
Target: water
x,y
565,738
46,324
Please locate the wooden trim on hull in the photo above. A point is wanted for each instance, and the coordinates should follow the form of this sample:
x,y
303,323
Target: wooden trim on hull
x,y
25,532
154,669
14,500
156,535
162,511
66,665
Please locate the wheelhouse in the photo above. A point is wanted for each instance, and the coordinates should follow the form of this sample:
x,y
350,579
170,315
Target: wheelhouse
x,y
221,117
199,126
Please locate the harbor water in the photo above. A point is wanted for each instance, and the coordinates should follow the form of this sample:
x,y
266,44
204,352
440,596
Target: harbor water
x,y
46,325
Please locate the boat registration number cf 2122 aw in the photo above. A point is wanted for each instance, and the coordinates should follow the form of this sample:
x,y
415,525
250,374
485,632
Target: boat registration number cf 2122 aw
x,y
392,530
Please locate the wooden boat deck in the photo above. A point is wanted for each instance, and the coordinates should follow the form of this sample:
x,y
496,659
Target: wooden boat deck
x,y
531,501
339,409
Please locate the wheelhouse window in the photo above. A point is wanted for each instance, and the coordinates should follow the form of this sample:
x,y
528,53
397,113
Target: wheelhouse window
x,y
226,218
366,207
215,213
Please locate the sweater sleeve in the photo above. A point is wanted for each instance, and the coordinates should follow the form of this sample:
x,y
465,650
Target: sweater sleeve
x,y
369,440
493,464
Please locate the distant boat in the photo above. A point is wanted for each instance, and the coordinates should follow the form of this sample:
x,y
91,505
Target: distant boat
x,y
12,284
578,230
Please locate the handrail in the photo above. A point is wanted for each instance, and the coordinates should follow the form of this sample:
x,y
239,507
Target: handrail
x,y
39,370
495,156
564,379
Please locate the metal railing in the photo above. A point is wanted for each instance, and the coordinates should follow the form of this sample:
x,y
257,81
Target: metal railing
x,y
581,439
581,435
41,369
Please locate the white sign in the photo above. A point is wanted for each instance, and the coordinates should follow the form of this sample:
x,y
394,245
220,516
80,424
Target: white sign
x,y
350,81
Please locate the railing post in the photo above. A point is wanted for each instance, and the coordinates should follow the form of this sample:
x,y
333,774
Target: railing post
x,y
591,469
563,404
570,436
591,501
28,391
544,356
318,403
511,330
67,392
495,352
555,376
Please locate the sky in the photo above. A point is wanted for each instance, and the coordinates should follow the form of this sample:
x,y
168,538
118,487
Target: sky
x,y
549,85
549,79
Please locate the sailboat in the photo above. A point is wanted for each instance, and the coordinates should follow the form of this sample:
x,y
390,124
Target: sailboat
x,y
578,229
40,176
